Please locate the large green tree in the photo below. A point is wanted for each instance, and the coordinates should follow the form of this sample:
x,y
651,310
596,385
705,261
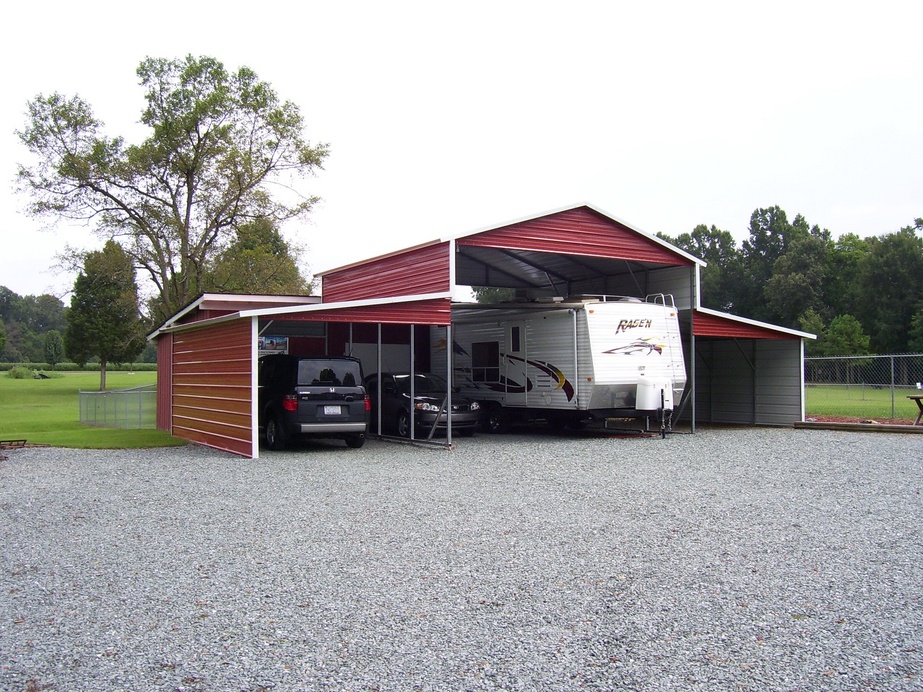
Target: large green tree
x,y
843,292
719,249
770,235
258,260
891,282
104,320
798,279
218,142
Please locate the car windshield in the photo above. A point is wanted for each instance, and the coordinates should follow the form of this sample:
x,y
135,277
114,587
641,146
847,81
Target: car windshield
x,y
422,384
331,373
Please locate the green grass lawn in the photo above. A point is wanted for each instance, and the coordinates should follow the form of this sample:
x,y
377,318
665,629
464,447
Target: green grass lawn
x,y
859,401
47,412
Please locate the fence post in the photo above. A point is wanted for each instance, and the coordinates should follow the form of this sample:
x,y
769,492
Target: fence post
x,y
892,387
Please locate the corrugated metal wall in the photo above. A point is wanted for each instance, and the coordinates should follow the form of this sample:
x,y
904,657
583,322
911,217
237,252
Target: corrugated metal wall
x,y
748,381
433,311
212,386
413,272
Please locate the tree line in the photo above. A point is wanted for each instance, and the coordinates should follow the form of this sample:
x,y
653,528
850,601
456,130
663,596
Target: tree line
x,y
859,295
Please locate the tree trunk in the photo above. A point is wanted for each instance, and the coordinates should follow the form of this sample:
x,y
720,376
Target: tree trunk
x,y
102,374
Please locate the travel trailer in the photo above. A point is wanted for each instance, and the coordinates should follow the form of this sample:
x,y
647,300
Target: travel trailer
x,y
568,361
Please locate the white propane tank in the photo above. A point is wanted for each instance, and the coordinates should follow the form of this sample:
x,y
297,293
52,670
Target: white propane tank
x,y
649,393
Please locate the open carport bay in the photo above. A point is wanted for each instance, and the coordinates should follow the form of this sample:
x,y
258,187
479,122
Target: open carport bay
x,y
763,559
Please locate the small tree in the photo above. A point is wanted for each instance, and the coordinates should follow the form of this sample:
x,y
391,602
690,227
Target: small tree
x,y
104,319
53,346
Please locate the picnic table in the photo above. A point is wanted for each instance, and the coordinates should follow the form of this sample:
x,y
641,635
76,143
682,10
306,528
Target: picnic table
x,y
919,399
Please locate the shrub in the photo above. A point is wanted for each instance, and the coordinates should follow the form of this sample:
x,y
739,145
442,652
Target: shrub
x,y
19,373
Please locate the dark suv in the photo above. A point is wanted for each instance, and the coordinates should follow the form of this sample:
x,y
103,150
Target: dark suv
x,y
320,396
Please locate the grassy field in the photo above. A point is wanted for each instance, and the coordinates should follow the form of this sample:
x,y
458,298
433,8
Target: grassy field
x,y
47,412
859,401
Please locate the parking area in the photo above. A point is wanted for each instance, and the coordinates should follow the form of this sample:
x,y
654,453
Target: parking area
x,y
735,558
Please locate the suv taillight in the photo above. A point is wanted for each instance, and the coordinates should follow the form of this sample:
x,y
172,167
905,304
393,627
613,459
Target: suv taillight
x,y
368,404
290,402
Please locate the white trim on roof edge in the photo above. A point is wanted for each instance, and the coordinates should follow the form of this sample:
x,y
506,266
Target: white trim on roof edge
x,y
231,298
368,302
296,309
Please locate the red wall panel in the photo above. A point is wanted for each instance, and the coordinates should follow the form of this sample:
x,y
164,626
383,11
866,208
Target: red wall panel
x,y
412,272
211,398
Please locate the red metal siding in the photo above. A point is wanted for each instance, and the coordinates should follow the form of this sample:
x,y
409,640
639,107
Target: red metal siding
x,y
712,325
435,311
580,231
412,272
212,386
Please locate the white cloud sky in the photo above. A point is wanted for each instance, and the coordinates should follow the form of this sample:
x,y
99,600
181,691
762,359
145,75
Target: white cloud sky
x,y
445,118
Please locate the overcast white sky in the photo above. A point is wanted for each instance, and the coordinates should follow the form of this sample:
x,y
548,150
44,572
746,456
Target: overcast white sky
x,y
445,117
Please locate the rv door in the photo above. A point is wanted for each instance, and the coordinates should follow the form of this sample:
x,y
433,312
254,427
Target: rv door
x,y
517,382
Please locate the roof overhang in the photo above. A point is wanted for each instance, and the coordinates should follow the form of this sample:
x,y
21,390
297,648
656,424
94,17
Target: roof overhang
x,y
230,303
430,308
708,322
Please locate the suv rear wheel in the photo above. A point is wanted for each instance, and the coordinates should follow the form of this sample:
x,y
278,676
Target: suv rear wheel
x,y
276,438
355,441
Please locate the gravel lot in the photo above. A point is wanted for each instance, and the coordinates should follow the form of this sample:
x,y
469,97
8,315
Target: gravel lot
x,y
744,559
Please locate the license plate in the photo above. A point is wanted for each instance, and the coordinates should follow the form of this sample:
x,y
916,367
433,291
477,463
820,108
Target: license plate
x,y
332,411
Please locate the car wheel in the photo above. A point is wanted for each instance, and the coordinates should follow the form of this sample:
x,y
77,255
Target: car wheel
x,y
355,440
497,421
276,438
403,424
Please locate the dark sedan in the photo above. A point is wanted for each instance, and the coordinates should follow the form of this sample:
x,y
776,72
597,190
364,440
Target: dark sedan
x,y
429,405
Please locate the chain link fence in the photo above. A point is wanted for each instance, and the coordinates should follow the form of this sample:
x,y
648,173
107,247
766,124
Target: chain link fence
x,y
863,386
131,409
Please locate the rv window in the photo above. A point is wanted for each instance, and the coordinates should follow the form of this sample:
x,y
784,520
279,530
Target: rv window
x,y
514,340
485,361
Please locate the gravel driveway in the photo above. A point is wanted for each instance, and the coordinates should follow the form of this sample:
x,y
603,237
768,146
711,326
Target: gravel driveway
x,y
733,559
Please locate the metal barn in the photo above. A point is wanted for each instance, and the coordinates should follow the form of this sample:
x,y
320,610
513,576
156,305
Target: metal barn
x,y
742,371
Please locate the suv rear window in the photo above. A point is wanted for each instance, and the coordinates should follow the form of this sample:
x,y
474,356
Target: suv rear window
x,y
330,373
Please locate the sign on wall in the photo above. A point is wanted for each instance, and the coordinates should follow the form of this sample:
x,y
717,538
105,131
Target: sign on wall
x,y
272,344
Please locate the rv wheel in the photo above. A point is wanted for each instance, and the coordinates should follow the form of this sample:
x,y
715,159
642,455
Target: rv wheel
x,y
497,421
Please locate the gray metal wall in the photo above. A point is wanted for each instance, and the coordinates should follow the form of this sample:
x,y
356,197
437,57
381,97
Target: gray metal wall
x,y
749,381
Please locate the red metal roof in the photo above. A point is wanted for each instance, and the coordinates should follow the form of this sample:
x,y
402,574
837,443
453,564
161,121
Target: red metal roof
x,y
581,231
707,322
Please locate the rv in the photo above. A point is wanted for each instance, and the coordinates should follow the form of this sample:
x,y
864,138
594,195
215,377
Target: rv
x,y
570,361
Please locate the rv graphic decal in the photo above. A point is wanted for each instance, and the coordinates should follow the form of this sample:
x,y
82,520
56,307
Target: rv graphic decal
x,y
647,346
560,379
511,386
